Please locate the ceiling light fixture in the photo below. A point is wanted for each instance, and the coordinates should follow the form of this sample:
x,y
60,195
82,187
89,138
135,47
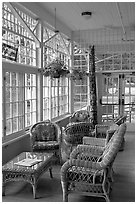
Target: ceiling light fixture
x,y
86,14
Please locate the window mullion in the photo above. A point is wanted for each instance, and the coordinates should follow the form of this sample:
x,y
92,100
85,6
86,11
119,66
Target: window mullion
x,y
11,94
4,104
58,96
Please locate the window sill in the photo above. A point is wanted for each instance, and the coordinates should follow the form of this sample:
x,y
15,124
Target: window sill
x,y
8,141
59,119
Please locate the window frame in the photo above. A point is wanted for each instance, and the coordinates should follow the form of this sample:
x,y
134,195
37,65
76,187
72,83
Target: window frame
x,y
16,68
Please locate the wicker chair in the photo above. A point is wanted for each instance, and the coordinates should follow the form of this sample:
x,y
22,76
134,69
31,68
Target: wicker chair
x,y
120,119
45,136
102,142
80,116
73,135
101,132
88,170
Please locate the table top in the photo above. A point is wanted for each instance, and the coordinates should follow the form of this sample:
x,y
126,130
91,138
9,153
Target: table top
x,y
13,166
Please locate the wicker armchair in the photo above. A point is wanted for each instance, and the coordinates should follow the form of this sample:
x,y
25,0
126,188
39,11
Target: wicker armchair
x,y
45,136
80,116
73,135
88,170
120,119
101,132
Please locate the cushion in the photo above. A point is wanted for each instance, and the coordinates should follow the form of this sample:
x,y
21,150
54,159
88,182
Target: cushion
x,y
81,115
113,127
50,145
44,132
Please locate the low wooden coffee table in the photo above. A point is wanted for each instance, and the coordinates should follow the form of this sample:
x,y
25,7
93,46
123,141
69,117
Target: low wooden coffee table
x,y
13,172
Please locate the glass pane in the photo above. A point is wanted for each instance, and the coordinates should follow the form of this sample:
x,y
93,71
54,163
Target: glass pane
x,y
8,126
8,110
33,105
14,94
20,108
8,94
15,124
14,109
33,117
21,123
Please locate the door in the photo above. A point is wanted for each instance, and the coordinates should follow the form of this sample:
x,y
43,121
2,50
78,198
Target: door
x,y
118,96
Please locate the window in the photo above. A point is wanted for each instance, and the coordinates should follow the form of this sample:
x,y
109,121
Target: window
x,y
20,101
22,78
116,61
55,91
15,35
81,86
55,97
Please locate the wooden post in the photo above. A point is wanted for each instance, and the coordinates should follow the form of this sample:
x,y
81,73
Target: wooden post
x,y
92,84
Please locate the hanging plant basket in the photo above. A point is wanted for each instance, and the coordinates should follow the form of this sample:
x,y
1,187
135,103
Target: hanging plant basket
x,y
56,69
77,74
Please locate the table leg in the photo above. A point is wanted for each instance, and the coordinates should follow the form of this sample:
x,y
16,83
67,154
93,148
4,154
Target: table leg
x,y
3,185
34,188
3,189
50,171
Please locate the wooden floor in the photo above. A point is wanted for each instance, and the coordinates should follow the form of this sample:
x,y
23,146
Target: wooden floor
x,y
49,190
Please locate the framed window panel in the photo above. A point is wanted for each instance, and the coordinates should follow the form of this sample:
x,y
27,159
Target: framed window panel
x,y
54,98
80,86
19,101
55,90
30,99
63,96
15,36
116,61
46,98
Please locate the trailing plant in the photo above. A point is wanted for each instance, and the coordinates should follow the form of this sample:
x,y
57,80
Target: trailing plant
x,y
56,69
78,74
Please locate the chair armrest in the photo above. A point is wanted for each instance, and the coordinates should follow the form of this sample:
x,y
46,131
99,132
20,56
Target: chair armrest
x,y
78,164
94,141
86,149
109,134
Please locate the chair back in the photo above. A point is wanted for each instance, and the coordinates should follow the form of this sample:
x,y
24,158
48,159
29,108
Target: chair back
x,y
101,131
44,131
113,146
80,116
74,132
120,119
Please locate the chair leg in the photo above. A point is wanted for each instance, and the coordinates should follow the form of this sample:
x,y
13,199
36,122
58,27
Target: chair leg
x,y
107,198
65,197
64,189
106,191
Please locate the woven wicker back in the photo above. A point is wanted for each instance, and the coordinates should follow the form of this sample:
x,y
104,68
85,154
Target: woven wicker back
x,y
80,116
44,131
113,146
76,131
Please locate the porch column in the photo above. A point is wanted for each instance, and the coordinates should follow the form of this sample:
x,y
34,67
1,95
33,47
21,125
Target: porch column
x,y
92,85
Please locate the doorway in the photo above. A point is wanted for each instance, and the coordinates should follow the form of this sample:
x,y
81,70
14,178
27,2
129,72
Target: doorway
x,y
118,96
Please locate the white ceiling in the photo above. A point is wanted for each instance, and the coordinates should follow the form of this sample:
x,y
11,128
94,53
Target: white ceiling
x,y
111,22
104,14
109,15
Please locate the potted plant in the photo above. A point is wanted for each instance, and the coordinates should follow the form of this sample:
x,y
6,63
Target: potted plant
x,y
56,69
78,74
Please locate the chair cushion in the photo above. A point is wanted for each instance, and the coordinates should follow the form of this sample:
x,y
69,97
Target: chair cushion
x,y
50,145
82,115
44,132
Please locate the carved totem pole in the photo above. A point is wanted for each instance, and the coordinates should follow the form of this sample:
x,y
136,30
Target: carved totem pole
x,y
92,82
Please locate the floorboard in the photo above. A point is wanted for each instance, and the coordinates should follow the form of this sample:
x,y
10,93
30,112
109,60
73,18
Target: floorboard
x,y
49,190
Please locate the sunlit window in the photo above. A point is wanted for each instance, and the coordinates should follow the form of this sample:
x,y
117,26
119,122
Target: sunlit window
x,y
20,101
